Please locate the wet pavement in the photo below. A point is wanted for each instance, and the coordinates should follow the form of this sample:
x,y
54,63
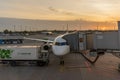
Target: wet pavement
x,y
75,68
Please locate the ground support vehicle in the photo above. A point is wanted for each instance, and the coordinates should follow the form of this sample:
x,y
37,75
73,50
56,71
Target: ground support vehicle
x,y
15,55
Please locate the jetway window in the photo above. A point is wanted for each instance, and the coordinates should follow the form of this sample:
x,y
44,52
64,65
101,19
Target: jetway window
x,y
61,43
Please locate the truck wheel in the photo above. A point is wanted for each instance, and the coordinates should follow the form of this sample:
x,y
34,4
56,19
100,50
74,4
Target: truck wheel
x,y
47,61
13,63
4,62
40,63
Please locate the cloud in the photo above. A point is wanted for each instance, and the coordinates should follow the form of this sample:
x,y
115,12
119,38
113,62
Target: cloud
x,y
61,11
69,13
53,9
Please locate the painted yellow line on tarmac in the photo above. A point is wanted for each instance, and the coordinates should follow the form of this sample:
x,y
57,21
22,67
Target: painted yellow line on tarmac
x,y
62,68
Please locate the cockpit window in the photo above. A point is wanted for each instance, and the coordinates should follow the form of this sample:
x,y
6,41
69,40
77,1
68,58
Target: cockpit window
x,y
61,43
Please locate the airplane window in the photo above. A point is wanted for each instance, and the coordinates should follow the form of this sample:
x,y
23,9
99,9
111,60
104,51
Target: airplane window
x,y
61,43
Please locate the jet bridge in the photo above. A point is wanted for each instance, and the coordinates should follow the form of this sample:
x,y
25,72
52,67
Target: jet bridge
x,y
78,44
76,40
108,40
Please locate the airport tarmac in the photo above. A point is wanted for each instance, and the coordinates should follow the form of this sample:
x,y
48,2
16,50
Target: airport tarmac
x,y
75,68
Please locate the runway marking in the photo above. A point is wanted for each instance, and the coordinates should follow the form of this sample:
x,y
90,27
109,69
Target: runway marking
x,y
77,66
88,66
74,67
105,72
100,72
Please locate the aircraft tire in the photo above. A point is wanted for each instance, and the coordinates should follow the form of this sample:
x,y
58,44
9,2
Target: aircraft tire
x,y
61,62
13,63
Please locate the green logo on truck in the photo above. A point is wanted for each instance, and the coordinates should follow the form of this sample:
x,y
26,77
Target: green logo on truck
x,y
5,53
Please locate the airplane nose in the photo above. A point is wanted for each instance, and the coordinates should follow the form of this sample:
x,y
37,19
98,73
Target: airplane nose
x,y
60,50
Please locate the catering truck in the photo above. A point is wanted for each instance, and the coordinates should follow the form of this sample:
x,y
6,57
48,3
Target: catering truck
x,y
14,55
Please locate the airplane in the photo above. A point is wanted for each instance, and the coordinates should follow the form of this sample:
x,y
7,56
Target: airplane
x,y
47,33
59,46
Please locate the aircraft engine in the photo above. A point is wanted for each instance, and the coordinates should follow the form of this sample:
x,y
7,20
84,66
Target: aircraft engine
x,y
46,47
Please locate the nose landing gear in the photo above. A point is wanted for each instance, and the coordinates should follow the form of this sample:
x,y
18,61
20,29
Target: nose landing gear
x,y
61,61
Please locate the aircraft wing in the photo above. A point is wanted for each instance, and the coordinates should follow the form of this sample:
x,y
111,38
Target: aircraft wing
x,y
42,40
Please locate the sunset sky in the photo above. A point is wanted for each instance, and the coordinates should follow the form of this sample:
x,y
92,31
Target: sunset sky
x,y
90,10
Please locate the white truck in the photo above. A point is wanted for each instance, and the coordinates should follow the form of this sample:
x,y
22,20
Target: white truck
x,y
15,54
